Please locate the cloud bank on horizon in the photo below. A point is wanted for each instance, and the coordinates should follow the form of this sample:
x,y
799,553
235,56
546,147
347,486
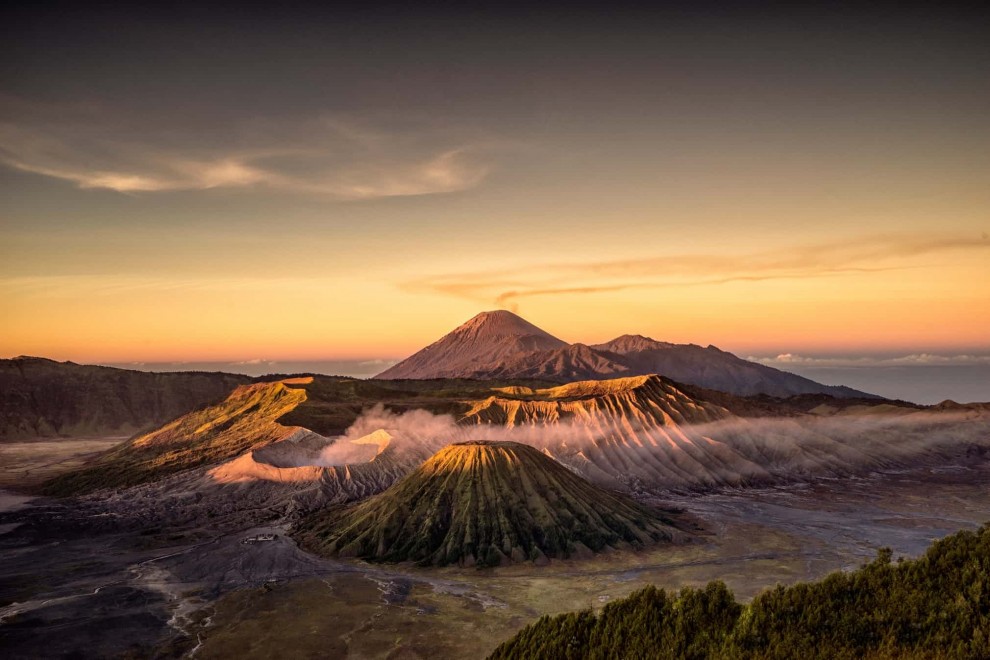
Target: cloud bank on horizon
x,y
783,360
924,378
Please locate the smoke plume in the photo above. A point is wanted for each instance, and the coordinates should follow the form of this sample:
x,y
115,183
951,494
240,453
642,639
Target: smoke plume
x,y
734,452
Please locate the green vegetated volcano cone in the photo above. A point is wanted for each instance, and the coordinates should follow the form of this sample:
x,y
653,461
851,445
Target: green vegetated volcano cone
x,y
485,503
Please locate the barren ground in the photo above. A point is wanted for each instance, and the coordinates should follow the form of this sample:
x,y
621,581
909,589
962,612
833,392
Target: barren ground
x,y
26,463
84,570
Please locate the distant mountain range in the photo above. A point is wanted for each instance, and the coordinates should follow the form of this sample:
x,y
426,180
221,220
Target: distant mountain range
x,y
500,344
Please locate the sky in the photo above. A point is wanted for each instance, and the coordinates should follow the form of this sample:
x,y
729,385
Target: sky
x,y
296,184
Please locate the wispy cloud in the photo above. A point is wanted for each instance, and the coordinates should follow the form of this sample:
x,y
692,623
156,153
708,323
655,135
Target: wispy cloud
x,y
57,286
330,156
865,254
913,360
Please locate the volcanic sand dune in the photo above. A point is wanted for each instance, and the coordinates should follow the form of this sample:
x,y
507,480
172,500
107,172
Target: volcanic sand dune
x,y
29,463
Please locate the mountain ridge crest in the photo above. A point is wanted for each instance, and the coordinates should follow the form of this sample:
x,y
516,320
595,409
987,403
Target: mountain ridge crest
x,y
501,344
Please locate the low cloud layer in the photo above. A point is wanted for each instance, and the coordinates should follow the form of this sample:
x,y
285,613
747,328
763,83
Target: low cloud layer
x,y
733,452
922,377
262,367
915,360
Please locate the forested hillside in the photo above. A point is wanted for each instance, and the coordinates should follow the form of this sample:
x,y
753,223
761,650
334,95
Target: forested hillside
x,y
937,606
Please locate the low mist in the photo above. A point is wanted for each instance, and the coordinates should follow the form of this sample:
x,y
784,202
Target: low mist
x,y
739,451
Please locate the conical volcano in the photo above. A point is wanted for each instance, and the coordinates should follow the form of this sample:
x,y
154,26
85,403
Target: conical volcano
x,y
480,345
485,503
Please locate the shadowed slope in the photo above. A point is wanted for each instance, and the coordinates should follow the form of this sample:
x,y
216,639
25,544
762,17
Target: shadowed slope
x,y
484,502
44,398
574,362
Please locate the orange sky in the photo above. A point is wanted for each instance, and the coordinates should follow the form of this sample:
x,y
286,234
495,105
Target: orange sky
x,y
890,293
310,189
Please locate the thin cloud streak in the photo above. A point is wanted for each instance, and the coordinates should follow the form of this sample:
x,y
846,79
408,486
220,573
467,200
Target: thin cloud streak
x,y
509,297
869,254
320,156
47,286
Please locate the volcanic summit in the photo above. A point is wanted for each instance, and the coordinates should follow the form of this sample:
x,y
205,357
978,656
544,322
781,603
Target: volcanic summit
x,y
480,345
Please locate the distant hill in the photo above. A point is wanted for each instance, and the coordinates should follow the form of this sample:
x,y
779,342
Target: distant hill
x,y
44,398
500,344
485,503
